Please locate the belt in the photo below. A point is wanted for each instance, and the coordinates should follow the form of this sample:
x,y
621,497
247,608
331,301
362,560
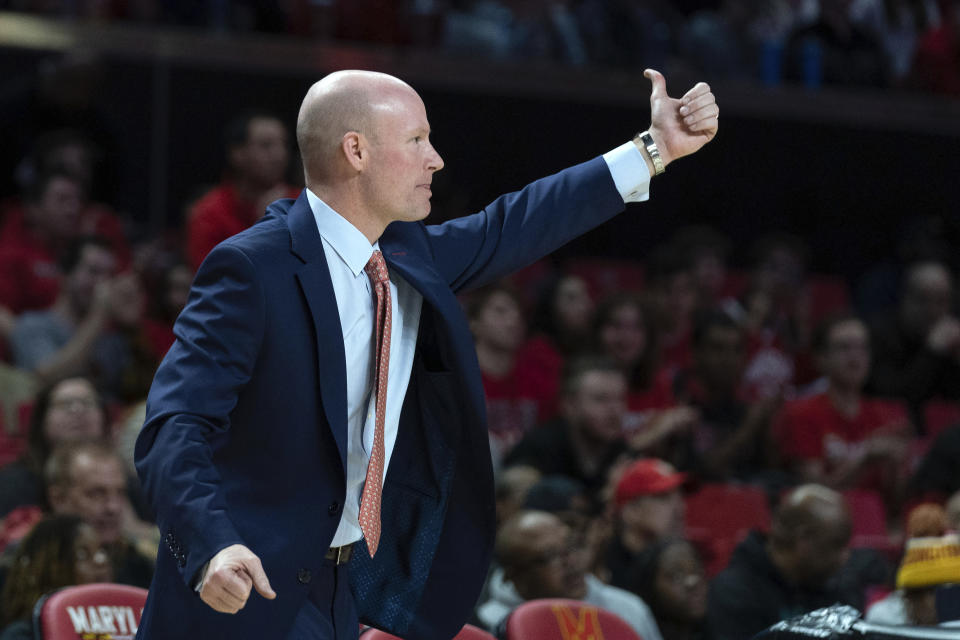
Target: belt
x,y
340,555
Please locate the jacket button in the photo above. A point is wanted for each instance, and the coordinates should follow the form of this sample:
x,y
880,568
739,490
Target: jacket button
x,y
334,508
303,576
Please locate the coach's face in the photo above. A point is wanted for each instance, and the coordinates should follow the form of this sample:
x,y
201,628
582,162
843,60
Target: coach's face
x,y
402,160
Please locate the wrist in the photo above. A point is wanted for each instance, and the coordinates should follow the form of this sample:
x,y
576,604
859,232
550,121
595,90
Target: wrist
x,y
651,151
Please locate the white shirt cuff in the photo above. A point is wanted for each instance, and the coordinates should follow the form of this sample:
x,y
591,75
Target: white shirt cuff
x,y
629,171
201,574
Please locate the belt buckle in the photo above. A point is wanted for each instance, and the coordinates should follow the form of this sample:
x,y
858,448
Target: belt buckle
x,y
340,555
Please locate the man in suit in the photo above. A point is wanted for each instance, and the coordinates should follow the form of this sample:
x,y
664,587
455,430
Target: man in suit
x,y
317,432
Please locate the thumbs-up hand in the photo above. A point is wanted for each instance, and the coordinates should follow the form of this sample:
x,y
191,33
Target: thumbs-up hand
x,y
230,576
680,127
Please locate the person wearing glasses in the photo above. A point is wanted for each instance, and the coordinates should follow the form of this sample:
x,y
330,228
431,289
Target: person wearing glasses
x,y
540,557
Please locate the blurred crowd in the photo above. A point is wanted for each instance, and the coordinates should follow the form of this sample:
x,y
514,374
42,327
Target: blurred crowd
x,y
877,43
619,394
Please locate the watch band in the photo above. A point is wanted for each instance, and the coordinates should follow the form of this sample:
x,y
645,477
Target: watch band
x,y
652,150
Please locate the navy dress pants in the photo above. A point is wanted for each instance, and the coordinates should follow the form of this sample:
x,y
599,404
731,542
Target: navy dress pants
x,y
329,612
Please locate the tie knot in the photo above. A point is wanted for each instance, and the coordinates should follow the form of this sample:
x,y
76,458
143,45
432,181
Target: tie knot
x,y
377,269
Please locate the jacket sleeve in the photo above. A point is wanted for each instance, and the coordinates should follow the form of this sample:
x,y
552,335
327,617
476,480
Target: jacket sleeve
x,y
188,410
521,227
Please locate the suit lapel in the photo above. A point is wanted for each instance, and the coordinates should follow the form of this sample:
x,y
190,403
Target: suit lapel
x,y
444,307
314,279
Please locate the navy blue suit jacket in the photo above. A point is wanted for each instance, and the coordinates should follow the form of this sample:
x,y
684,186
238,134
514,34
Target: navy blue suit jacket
x,y
245,435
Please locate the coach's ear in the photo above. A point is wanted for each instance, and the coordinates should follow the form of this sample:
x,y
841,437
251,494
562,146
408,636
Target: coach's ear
x,y
355,149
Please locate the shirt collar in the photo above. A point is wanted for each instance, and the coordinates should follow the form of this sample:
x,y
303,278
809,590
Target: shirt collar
x,y
347,241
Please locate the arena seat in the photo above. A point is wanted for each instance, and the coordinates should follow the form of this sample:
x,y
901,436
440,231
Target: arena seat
x,y
719,516
869,517
559,619
939,414
469,632
606,276
98,610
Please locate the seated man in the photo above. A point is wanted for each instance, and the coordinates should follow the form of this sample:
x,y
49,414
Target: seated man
x,y
839,438
92,329
88,479
788,572
649,509
257,157
728,440
588,436
539,559
31,244
916,351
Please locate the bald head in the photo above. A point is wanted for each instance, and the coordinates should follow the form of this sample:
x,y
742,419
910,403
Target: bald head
x,y
342,101
522,535
810,535
811,507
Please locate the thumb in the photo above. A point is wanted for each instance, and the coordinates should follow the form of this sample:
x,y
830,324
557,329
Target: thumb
x,y
659,83
255,570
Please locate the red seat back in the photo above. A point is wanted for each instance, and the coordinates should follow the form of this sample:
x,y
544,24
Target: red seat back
x,y
719,516
940,414
558,619
868,514
469,632
90,610
606,276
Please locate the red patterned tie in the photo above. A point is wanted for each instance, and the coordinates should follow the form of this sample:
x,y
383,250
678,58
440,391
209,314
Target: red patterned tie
x,y
370,500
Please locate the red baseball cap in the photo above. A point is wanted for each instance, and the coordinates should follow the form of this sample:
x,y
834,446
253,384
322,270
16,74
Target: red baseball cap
x,y
647,477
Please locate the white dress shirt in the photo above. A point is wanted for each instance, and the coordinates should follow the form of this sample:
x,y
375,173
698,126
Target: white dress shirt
x,y
347,251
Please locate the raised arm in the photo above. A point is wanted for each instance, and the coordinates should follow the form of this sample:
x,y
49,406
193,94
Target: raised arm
x,y
520,227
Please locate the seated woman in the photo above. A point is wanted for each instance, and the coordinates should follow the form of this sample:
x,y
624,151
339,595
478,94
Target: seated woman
x,y
670,578
65,411
60,551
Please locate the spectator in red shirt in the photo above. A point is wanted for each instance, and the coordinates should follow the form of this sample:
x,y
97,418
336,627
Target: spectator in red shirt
x,y
71,151
258,155
31,244
626,336
839,438
562,324
519,393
